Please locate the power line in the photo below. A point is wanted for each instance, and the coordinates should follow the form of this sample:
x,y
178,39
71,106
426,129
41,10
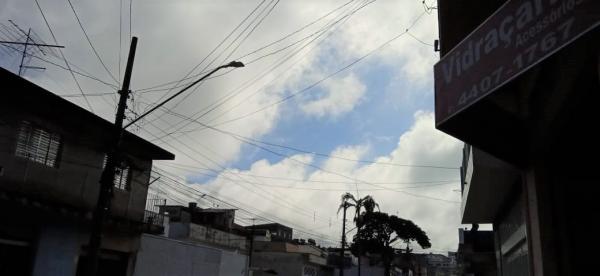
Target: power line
x,y
419,40
329,26
217,164
130,18
90,42
329,189
334,173
308,151
238,45
295,93
64,58
277,220
190,168
67,69
296,31
251,31
211,52
321,169
152,89
252,213
120,35
312,85
193,76
278,63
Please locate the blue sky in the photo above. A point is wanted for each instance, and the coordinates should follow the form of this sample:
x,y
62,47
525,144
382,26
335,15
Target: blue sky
x,y
377,121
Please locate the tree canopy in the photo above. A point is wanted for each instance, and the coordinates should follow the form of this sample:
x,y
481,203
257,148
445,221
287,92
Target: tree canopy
x,y
380,230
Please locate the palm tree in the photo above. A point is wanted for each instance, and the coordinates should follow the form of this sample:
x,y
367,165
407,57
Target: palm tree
x,y
348,201
368,203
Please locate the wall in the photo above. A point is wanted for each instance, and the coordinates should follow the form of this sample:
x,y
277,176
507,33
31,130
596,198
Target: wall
x,y
159,256
288,264
211,235
57,251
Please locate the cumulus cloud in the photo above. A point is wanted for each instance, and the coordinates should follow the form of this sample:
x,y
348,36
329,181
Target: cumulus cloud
x,y
341,96
307,198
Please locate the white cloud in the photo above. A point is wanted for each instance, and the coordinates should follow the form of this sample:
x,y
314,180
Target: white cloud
x,y
311,209
341,96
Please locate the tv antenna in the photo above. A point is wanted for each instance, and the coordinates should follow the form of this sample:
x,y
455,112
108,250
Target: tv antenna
x,y
31,39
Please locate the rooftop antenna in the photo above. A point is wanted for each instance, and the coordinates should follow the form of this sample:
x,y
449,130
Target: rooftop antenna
x,y
29,41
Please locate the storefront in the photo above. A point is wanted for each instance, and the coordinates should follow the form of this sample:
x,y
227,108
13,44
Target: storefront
x,y
519,81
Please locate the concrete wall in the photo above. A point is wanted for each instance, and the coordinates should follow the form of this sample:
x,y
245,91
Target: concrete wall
x,y
75,180
159,256
288,264
59,247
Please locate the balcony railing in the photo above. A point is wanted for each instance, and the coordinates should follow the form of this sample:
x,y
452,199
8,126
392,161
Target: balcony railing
x,y
153,219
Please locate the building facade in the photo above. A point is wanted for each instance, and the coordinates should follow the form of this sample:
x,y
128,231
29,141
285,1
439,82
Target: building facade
x,y
287,258
51,157
211,227
518,82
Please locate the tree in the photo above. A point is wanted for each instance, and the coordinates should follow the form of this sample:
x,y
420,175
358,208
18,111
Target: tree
x,y
369,204
380,230
347,201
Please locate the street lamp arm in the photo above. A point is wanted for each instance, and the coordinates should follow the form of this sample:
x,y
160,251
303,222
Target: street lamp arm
x,y
235,64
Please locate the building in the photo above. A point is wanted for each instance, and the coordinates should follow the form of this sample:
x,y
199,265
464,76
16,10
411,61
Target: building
x,y
278,231
212,227
430,264
476,255
518,83
290,259
51,157
196,241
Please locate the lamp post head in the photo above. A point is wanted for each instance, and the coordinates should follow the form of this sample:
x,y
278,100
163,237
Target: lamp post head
x,y
235,64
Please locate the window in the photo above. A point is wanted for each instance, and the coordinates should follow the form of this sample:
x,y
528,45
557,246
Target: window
x,y
122,179
37,145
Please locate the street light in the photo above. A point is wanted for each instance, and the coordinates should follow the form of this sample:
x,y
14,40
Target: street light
x,y
234,64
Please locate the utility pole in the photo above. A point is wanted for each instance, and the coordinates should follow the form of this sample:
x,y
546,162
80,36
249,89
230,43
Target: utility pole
x,y
113,159
343,240
251,247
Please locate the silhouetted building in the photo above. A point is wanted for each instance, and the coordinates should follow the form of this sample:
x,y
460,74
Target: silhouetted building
x,y
430,264
476,255
51,157
518,82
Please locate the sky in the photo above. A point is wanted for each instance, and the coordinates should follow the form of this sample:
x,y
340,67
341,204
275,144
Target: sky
x,y
326,84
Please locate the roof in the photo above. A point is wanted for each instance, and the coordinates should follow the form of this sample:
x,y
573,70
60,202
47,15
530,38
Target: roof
x,y
45,104
198,209
269,226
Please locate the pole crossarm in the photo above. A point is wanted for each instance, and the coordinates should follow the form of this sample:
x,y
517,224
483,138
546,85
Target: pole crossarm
x,y
31,44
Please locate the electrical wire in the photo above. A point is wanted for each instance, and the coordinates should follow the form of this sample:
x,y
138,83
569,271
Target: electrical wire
x,y
278,63
64,58
90,42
